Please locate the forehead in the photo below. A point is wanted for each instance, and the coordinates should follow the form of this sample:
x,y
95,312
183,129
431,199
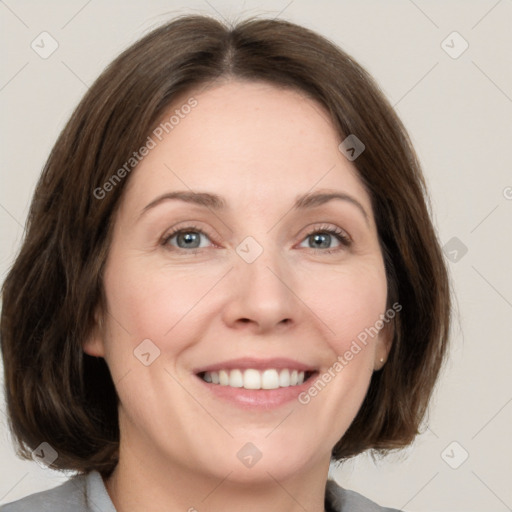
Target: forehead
x,y
247,141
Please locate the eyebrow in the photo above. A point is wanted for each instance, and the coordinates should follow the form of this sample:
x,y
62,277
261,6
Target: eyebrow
x,y
216,202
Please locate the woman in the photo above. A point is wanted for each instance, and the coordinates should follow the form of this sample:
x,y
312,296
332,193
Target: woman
x,y
229,280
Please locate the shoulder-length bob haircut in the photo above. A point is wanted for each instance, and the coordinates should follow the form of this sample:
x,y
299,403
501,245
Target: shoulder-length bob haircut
x,y
57,394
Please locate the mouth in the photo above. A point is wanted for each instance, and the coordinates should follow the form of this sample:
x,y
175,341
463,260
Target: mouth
x,y
256,384
254,379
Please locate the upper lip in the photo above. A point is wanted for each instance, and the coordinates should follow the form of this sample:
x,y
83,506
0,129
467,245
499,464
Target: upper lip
x,y
246,363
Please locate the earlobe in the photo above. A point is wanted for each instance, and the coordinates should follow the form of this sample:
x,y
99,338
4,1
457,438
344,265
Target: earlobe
x,y
379,363
385,341
93,345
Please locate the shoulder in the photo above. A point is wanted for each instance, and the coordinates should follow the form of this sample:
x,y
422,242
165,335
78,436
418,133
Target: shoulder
x,y
343,500
83,493
62,498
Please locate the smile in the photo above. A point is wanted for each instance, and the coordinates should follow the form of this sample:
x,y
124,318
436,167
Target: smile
x,y
255,379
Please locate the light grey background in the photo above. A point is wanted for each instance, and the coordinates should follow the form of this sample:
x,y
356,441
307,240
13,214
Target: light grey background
x,y
459,114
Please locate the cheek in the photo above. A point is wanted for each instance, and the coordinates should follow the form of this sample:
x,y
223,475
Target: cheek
x,y
155,303
350,304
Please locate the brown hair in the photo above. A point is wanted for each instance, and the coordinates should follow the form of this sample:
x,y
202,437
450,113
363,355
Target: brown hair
x,y
57,394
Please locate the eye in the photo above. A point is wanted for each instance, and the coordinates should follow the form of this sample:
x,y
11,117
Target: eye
x,y
185,238
188,238
321,239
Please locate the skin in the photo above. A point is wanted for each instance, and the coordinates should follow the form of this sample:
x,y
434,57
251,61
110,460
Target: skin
x,y
259,147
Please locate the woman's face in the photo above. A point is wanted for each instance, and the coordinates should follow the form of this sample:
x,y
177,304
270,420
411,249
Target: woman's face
x,y
247,266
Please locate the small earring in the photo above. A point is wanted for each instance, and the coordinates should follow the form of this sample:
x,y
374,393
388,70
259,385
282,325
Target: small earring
x,y
381,359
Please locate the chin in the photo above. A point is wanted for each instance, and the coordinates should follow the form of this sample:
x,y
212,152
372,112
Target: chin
x,y
255,462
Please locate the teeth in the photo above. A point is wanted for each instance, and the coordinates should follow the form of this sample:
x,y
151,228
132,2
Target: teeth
x,y
270,379
284,378
236,379
223,378
254,379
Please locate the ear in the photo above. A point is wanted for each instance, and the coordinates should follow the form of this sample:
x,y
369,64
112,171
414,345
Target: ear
x,y
383,345
94,345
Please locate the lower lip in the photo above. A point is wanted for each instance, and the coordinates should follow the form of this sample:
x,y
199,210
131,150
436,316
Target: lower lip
x,y
259,398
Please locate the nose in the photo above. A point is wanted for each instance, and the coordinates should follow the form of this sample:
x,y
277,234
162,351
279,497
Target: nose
x,y
262,297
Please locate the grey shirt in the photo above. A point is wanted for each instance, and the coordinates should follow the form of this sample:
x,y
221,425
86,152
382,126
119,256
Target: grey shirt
x,y
88,494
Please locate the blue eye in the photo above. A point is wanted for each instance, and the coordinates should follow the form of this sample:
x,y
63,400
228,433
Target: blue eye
x,y
186,238
321,239
189,239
